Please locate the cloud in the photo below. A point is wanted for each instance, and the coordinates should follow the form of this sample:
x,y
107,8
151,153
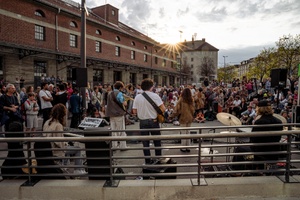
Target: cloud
x,y
137,13
236,55
213,15
182,12
161,13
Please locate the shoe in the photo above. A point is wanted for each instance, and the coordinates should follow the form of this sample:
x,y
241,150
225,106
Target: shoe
x,y
187,150
183,150
150,162
163,160
79,171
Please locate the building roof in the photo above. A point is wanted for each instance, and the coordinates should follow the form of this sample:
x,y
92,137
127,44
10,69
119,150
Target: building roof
x,y
74,8
198,45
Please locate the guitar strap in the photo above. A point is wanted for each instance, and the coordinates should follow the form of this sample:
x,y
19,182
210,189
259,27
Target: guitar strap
x,y
118,103
152,103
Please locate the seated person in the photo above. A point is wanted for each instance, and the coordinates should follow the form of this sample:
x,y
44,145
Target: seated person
x,y
287,116
200,117
15,150
56,123
265,110
248,116
236,106
168,113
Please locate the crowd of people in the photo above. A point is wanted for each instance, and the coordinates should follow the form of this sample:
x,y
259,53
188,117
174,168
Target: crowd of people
x,y
125,104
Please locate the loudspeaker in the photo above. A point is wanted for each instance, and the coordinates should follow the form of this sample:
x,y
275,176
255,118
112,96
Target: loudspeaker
x,y
278,77
98,156
79,76
297,120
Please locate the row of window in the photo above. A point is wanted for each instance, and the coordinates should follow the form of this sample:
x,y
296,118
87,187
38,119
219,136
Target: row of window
x,y
40,31
40,35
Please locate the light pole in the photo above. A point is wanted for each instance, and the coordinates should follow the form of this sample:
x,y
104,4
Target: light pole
x,y
224,68
83,49
225,61
180,55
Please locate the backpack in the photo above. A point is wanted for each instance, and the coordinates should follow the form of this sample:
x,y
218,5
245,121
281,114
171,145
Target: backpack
x,y
23,110
209,116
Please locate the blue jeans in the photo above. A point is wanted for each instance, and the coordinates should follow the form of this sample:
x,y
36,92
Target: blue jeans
x,y
146,124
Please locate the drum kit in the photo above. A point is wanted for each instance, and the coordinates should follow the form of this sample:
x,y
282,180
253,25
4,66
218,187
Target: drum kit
x,y
231,120
228,120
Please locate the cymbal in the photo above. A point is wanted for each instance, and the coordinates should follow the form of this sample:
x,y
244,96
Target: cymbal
x,y
228,119
284,121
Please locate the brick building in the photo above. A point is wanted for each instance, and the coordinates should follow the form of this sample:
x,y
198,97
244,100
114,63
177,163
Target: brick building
x,y
42,38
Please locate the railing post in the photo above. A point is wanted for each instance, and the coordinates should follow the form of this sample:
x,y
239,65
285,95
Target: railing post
x,y
199,163
29,182
111,182
288,159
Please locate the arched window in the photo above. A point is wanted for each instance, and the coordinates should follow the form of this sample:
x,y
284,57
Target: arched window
x,y
39,13
118,38
98,32
73,24
145,47
133,43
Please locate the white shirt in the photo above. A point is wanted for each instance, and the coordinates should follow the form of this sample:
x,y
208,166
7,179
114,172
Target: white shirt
x,y
144,109
45,104
237,102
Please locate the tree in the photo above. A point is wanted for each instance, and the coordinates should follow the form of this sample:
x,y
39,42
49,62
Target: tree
x,y
207,67
227,74
288,53
266,60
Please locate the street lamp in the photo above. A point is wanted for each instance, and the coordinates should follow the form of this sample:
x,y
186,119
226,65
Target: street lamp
x,y
225,78
180,56
224,60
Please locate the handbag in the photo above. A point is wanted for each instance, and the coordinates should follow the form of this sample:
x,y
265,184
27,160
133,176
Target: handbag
x,y
160,114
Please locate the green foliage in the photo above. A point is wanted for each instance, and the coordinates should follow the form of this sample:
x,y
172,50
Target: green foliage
x,y
286,55
289,52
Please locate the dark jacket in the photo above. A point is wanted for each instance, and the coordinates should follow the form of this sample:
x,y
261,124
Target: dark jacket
x,y
75,102
266,119
113,108
60,98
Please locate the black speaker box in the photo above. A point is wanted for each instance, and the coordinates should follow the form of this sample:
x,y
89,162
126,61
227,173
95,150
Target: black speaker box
x,y
98,157
79,76
278,77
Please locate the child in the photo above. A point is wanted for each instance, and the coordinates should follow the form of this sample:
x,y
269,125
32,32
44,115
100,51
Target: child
x,y
32,109
200,117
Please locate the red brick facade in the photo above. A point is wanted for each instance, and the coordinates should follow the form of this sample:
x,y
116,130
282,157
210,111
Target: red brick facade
x,y
17,34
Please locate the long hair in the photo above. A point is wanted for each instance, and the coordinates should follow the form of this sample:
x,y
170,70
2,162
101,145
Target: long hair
x,y
186,96
264,110
58,113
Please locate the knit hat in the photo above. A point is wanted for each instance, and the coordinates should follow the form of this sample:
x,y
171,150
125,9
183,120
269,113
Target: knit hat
x,y
263,103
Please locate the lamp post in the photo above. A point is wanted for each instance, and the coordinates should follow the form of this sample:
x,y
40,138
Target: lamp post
x,y
225,61
83,48
224,68
180,64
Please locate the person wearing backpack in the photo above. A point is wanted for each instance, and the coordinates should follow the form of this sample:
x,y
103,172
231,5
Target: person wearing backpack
x,y
32,110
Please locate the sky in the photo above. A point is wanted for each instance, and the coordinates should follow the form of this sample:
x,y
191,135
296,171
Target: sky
x,y
240,29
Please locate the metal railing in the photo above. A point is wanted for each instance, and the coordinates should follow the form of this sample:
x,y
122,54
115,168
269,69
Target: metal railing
x,y
211,155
